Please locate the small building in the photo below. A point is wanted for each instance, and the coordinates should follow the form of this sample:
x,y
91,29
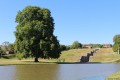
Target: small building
x,y
107,45
89,46
7,52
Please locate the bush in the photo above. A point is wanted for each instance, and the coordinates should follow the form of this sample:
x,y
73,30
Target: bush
x,y
61,60
20,56
76,45
63,47
68,47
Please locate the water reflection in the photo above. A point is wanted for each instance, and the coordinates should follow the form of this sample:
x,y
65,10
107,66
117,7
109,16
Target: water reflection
x,y
58,72
36,72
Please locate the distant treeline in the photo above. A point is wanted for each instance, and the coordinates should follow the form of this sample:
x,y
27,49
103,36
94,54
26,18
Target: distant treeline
x,y
9,47
78,45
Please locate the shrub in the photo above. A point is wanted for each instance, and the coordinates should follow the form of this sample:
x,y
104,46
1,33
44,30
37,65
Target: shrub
x,y
76,45
20,56
63,47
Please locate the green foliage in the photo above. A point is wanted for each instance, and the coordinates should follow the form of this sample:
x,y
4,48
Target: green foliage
x,y
5,46
20,56
61,60
68,47
116,41
34,33
63,47
1,51
115,47
76,45
11,48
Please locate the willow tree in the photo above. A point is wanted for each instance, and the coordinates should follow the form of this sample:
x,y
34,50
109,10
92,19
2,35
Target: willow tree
x,y
34,33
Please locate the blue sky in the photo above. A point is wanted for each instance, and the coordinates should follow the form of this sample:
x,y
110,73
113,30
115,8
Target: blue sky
x,y
86,21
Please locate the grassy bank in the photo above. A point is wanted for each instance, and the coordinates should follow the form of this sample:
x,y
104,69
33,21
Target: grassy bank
x,y
74,55
115,76
11,59
69,56
103,55
25,61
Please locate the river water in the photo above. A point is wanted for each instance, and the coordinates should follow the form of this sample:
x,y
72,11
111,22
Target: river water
x,y
58,71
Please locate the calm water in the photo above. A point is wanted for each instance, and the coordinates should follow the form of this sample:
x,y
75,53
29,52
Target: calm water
x,y
58,71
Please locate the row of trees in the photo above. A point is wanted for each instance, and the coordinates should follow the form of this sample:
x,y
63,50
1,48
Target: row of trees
x,y
78,45
75,45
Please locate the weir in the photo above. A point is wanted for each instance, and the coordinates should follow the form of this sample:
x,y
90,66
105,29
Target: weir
x,y
86,58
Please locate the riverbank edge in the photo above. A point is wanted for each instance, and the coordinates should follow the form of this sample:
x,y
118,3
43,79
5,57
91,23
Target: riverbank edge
x,y
115,76
37,63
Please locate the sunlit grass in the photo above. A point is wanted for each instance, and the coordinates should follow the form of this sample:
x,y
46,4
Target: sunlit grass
x,y
105,55
115,76
26,61
74,54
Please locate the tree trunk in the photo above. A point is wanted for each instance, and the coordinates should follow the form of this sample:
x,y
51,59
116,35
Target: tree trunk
x,y
36,59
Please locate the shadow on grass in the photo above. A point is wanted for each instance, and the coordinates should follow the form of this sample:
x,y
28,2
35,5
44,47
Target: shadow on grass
x,y
8,56
5,57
